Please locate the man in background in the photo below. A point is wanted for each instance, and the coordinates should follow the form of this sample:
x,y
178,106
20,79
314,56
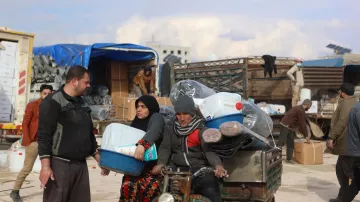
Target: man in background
x,y
337,141
29,140
297,82
144,82
294,119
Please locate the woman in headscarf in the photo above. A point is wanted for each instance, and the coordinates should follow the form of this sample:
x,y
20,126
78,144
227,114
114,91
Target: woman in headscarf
x,y
144,188
183,146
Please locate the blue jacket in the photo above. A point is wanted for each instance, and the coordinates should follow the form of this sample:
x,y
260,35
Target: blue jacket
x,y
354,131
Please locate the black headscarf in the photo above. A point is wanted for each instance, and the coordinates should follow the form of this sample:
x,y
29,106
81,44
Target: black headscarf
x,y
153,106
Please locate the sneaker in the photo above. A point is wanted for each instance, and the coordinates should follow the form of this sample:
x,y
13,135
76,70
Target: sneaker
x,y
290,161
15,196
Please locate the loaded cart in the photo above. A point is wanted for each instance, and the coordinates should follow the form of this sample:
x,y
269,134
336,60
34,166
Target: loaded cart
x,y
253,176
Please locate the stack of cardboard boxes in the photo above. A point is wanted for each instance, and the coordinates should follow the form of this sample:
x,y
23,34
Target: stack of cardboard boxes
x,y
7,79
120,88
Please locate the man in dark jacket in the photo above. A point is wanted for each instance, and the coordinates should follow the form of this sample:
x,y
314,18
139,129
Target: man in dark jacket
x,y
337,142
65,140
184,147
294,119
353,149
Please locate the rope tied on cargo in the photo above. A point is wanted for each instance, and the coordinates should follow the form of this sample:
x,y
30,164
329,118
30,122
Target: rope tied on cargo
x,y
271,134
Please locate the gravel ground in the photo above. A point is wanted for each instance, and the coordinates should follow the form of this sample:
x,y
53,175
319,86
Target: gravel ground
x,y
299,183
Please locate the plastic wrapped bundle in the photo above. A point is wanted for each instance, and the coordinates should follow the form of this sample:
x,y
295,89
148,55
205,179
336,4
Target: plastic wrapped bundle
x,y
88,91
256,119
89,99
168,112
98,100
191,88
106,100
102,90
100,112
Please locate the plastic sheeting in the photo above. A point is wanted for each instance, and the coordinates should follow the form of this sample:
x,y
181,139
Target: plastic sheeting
x,y
102,90
256,119
76,54
168,112
100,112
191,88
349,59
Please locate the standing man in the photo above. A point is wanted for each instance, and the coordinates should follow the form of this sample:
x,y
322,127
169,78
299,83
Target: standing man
x,y
353,148
337,142
29,140
296,83
294,119
144,81
66,139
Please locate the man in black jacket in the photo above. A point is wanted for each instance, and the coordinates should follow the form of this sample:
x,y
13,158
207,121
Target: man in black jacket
x,y
66,139
353,146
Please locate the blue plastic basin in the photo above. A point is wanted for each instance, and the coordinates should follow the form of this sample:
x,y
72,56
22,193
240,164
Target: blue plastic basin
x,y
215,123
121,163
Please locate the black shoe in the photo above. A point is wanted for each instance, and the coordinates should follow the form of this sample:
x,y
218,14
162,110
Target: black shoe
x,y
15,196
336,200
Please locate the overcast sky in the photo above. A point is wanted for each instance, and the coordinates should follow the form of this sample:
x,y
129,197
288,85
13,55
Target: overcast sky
x,y
233,28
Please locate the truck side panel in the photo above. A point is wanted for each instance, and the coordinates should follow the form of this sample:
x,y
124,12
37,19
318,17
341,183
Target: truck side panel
x,y
22,78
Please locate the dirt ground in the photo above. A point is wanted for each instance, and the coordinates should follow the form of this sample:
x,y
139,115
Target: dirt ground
x,y
299,183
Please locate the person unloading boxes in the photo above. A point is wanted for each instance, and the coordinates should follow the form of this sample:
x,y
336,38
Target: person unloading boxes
x,y
144,82
294,120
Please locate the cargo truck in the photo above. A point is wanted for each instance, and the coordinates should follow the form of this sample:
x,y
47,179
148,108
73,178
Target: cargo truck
x,y
15,76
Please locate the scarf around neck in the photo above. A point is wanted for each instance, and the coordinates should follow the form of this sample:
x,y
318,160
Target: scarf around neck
x,y
187,130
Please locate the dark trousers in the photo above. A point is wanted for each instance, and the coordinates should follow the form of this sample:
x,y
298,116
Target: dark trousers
x,y
208,186
71,182
287,136
344,172
354,188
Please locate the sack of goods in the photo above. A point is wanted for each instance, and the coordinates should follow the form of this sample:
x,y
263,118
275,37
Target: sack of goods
x,y
234,123
191,88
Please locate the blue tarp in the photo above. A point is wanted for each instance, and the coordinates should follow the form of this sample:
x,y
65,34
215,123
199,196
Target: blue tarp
x,y
76,54
333,62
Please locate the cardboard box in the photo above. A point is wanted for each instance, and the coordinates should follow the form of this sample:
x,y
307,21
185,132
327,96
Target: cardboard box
x,y
118,71
10,46
125,107
8,91
7,73
164,101
5,108
6,100
119,88
308,154
7,82
5,118
7,62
